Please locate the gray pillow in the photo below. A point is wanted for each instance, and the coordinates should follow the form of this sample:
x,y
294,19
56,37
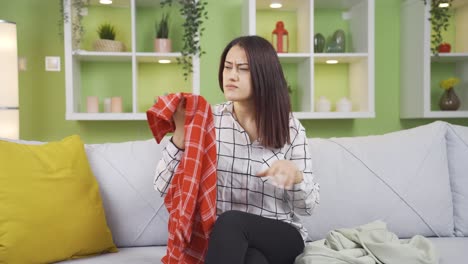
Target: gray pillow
x,y
135,212
457,150
400,178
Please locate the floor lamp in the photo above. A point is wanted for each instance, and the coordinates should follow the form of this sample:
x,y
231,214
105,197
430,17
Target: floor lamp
x,y
9,103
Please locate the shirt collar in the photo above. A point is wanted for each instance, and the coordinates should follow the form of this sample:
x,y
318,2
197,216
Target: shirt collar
x,y
227,107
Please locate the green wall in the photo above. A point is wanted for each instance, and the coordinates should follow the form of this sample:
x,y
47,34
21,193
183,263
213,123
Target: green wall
x,y
42,94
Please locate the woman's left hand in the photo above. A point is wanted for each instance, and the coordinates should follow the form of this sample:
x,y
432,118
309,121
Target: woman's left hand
x,y
283,173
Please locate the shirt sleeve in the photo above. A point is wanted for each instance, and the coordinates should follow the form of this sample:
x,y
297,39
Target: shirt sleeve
x,y
171,156
304,196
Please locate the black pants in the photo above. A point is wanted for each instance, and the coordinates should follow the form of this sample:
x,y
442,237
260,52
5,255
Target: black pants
x,y
241,238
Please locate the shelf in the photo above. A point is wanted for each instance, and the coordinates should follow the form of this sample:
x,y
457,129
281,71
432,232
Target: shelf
x,y
155,56
307,72
289,5
135,75
106,116
340,57
421,71
115,3
333,115
102,56
123,56
142,116
328,4
446,114
450,57
293,57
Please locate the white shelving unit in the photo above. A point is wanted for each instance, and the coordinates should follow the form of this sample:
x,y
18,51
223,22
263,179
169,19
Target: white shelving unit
x,y
134,57
358,60
421,71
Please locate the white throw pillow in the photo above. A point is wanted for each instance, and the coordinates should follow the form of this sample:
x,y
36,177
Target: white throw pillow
x,y
135,212
457,149
400,178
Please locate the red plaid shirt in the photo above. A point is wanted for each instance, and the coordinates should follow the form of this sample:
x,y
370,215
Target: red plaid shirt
x,y
191,197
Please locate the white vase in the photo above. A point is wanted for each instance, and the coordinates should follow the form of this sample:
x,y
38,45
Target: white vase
x,y
344,105
107,105
323,104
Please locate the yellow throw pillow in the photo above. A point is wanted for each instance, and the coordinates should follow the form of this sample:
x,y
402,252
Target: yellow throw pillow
x,y
50,205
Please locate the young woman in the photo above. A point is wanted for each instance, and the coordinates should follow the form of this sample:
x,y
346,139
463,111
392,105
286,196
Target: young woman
x,y
264,171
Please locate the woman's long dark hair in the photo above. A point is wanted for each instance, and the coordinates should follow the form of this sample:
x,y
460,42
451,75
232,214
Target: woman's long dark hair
x,y
270,90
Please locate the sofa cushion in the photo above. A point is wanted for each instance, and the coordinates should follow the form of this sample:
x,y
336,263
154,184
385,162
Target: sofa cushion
x,y
125,171
457,151
451,250
133,255
400,178
50,204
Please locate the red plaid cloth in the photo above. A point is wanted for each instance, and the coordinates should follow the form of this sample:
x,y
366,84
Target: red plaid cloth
x,y
191,196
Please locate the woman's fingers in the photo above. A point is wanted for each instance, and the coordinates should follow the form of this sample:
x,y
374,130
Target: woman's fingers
x,y
278,177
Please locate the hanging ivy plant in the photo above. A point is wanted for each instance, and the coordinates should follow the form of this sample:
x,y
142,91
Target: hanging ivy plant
x,y
194,12
440,21
77,28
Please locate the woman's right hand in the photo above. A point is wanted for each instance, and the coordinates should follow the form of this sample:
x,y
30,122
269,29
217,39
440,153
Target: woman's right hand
x,y
179,119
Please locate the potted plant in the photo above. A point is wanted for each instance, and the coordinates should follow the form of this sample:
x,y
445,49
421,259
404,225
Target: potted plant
x,y
449,99
440,21
194,14
106,41
162,43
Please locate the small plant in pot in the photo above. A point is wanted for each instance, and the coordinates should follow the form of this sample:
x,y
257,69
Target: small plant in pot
x,y
440,13
162,43
106,41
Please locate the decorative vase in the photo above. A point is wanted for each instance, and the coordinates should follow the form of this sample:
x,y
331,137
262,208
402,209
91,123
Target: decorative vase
x,y
344,105
162,45
323,104
449,100
319,43
280,38
116,104
92,104
337,42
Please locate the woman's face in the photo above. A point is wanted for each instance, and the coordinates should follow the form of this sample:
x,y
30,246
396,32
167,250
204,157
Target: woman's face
x,y
237,83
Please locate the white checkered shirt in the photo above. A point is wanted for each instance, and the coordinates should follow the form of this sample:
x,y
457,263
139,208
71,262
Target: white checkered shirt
x,y
239,160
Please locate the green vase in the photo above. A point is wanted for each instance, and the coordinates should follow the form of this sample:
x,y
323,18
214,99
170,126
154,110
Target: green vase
x,y
319,43
449,100
337,43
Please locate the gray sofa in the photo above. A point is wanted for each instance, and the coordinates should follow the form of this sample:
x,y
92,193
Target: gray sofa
x,y
415,180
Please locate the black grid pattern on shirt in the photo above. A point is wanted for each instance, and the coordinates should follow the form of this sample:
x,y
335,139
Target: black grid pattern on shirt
x,y
233,145
239,160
